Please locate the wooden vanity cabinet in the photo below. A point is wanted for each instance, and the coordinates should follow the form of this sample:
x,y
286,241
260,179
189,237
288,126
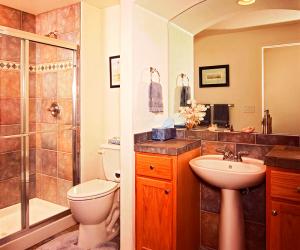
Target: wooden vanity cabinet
x,y
167,202
283,209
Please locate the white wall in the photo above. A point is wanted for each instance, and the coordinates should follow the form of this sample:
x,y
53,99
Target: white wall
x,y
127,199
181,60
144,43
150,38
100,105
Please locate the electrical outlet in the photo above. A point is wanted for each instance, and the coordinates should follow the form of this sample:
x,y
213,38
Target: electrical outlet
x,y
249,109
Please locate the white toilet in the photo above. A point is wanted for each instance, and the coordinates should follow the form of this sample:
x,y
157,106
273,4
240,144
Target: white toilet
x,y
95,204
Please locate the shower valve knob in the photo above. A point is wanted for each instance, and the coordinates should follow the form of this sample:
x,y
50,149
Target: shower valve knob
x,y
54,109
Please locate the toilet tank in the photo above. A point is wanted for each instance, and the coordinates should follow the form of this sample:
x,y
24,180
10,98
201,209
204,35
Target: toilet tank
x,y
111,161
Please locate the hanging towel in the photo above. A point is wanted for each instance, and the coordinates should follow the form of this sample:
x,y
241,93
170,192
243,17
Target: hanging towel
x,y
185,95
221,115
207,117
155,98
177,98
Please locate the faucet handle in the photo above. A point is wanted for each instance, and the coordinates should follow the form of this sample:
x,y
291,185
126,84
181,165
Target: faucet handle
x,y
240,154
227,153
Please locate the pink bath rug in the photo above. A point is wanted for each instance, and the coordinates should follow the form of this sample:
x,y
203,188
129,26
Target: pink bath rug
x,y
68,241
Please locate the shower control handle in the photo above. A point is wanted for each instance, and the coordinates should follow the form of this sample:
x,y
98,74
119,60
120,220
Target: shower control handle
x,y
54,109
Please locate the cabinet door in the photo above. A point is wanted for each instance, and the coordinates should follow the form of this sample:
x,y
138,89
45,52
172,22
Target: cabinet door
x,y
154,214
284,226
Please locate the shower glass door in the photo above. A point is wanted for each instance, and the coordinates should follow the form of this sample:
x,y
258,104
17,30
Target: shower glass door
x,y
51,126
38,146
10,135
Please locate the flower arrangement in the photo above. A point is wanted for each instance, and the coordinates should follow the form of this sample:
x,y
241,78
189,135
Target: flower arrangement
x,y
193,113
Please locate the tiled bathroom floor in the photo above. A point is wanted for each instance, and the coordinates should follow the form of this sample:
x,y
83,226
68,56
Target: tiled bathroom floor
x,y
10,217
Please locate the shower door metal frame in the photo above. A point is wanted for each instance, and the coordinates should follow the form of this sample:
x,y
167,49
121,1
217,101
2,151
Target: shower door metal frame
x,y
26,38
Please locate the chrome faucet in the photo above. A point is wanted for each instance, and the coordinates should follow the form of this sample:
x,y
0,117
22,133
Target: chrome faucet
x,y
227,153
230,156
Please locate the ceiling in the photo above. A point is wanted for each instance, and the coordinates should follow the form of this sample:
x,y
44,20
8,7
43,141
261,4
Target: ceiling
x,y
102,3
257,18
222,14
167,8
39,6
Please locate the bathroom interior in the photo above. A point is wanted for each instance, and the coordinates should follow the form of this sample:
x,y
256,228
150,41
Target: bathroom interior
x,y
138,124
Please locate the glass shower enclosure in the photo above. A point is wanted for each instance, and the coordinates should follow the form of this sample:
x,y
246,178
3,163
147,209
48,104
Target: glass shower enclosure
x,y
38,130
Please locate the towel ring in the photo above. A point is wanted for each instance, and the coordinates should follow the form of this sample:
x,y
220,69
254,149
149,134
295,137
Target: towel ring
x,y
183,77
153,71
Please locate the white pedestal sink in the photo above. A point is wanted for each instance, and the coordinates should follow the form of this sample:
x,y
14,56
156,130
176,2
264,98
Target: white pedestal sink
x,y
230,176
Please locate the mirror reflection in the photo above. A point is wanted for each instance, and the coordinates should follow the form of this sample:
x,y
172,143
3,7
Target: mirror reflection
x,y
240,61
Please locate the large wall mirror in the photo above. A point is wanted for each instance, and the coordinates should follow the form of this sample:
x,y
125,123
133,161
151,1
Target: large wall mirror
x,y
260,46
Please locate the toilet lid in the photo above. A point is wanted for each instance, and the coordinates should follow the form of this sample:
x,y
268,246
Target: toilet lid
x,y
92,189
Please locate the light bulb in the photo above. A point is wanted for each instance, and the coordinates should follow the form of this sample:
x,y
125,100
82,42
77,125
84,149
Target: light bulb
x,y
246,2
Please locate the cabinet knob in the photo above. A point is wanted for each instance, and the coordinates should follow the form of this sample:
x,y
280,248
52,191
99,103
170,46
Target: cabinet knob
x,y
167,191
151,167
298,189
274,212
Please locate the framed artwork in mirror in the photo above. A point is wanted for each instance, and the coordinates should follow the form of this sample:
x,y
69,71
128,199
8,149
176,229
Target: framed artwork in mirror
x,y
214,76
114,71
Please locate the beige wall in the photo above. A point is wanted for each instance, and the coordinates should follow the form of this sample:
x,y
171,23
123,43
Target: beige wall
x,y
282,88
111,47
242,51
100,38
91,106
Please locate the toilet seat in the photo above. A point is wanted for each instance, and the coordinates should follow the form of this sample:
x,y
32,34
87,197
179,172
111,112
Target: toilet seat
x,y
92,189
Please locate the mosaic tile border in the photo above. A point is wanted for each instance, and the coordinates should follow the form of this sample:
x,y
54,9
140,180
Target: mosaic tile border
x,y
54,66
9,65
39,68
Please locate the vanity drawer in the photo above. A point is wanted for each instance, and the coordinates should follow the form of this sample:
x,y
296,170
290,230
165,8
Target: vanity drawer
x,y
154,166
285,185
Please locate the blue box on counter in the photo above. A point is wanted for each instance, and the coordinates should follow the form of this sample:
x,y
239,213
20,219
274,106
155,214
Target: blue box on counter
x,y
163,134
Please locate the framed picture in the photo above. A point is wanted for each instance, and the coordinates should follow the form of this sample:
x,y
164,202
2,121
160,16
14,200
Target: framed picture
x,y
214,76
114,71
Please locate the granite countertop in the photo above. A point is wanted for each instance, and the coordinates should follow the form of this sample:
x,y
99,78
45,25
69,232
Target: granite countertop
x,y
284,157
169,147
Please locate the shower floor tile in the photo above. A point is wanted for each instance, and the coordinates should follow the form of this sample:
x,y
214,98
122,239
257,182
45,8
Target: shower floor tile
x,y
10,217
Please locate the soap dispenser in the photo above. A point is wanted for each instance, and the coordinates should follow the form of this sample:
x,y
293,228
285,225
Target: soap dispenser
x,y
267,123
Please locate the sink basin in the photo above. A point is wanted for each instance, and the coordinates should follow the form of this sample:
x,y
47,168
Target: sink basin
x,y
230,176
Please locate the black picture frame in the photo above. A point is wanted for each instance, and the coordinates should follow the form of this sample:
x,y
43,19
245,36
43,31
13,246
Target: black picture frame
x,y
113,83
224,81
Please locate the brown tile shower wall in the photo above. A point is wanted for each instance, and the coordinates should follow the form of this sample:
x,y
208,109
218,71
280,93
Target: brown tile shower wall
x,y
50,153
54,149
10,149
258,145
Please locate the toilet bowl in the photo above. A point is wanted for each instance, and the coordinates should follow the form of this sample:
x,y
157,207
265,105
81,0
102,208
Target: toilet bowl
x,y
95,204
